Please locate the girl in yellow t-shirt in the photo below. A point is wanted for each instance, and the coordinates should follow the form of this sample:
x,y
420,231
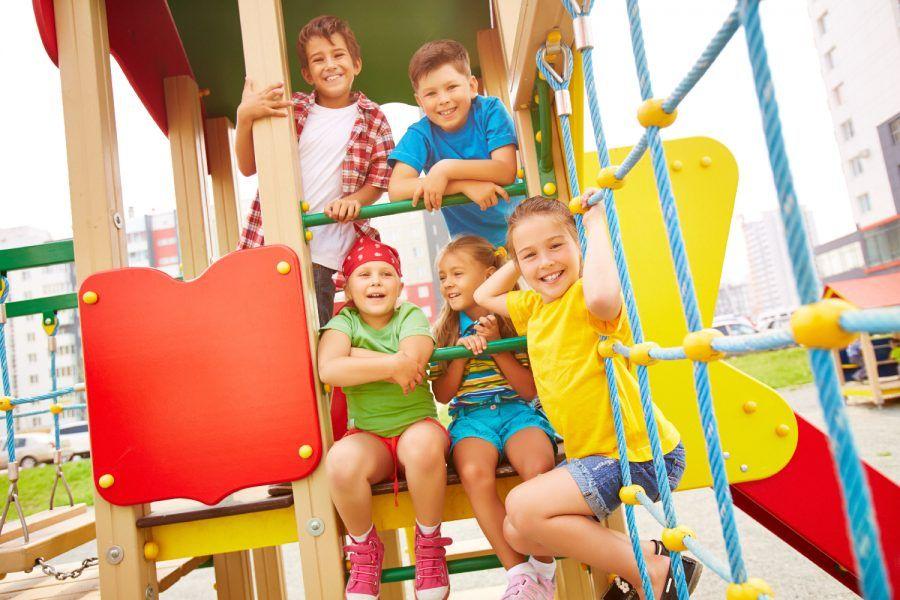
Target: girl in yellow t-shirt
x,y
563,316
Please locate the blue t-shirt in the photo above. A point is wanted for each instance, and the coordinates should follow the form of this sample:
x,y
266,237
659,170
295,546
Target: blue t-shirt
x,y
488,127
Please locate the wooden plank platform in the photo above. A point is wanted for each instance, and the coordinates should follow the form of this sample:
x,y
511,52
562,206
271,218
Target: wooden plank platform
x,y
48,541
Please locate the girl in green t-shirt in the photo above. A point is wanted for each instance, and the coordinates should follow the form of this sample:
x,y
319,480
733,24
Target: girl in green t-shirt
x,y
377,352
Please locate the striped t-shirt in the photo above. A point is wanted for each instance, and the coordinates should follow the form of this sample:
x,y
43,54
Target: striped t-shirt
x,y
482,382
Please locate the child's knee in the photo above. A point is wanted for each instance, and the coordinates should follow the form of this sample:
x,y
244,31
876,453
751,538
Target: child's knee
x,y
536,465
514,537
338,467
519,509
477,474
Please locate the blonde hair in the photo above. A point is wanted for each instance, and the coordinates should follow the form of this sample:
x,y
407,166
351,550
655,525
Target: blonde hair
x,y
446,328
543,207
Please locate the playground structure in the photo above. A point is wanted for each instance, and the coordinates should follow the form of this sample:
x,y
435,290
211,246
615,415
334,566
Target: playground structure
x,y
757,450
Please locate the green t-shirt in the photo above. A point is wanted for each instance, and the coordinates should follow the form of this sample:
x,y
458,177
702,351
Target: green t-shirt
x,y
380,406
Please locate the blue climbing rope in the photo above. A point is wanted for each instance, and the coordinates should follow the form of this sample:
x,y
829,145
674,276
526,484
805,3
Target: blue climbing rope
x,y
53,379
857,497
4,372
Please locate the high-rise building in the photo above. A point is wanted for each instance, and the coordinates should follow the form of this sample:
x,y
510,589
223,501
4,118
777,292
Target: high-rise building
x,y
859,48
153,242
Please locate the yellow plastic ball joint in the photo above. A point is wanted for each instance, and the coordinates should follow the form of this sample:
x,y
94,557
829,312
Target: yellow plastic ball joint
x,y
640,354
106,481
327,388
606,178
818,325
554,37
309,235
782,430
305,451
304,206
749,407
56,408
673,539
6,403
605,348
751,589
90,297
520,173
537,99
575,206
151,550
537,137
628,494
549,188
698,345
651,114
283,267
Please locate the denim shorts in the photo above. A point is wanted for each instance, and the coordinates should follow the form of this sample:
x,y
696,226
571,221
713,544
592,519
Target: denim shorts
x,y
496,422
599,478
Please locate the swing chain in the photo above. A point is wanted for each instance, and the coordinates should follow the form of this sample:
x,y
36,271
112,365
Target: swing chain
x,y
51,571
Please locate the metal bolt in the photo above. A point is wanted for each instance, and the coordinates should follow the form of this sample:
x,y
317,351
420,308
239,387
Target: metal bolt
x,y
117,220
115,555
315,527
149,593
744,468
727,455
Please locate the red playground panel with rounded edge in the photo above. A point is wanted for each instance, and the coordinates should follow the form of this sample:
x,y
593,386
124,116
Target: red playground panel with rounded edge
x,y
198,389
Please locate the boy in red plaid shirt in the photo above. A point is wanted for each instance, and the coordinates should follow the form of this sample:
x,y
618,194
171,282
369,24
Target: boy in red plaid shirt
x,y
344,142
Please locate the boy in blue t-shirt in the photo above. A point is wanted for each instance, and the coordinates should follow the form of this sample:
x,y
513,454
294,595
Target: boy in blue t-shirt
x,y
465,144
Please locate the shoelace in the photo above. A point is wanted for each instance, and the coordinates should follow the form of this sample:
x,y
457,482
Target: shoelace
x,y
430,555
521,592
362,566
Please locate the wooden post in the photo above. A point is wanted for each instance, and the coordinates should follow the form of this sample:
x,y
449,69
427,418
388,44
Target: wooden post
x,y
97,221
871,364
223,172
233,578
269,571
392,558
275,146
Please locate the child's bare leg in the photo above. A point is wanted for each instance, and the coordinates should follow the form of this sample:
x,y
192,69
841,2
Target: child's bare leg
x,y
530,453
548,515
353,464
476,462
422,452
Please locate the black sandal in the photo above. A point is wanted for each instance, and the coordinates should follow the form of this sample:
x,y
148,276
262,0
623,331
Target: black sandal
x,y
620,589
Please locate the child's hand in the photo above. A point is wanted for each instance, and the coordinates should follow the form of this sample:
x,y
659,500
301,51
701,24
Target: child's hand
x,y
484,193
431,189
343,210
592,217
406,372
488,327
266,103
476,344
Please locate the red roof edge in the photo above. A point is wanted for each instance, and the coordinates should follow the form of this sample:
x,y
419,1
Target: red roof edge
x,y
867,292
144,41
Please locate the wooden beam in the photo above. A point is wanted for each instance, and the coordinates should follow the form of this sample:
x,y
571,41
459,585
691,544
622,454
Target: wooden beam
x,y
99,239
278,165
870,361
223,173
189,173
233,578
268,570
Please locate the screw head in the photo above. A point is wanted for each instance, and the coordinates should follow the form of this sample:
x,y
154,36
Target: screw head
x,y
705,161
115,555
315,527
782,430
745,468
283,267
677,165
90,297
305,451
749,407
726,455
106,481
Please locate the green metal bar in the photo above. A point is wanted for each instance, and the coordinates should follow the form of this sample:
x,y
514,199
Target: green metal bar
x,y
41,255
403,206
39,306
461,565
546,144
504,345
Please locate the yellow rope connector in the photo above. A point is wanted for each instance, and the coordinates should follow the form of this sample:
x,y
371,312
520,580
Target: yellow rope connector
x,y
554,37
605,348
640,354
749,590
106,481
151,550
304,206
56,408
698,345
673,539
308,235
575,206
628,494
520,173
6,403
283,267
90,297
305,451
651,114
549,188
606,178
818,325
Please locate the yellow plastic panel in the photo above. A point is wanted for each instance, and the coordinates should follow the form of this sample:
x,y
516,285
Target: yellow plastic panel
x,y
705,183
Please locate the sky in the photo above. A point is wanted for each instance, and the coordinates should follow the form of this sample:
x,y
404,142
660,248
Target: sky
x,y
723,106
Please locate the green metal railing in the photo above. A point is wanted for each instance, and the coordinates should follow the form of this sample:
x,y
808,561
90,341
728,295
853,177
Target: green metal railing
x,y
503,345
461,565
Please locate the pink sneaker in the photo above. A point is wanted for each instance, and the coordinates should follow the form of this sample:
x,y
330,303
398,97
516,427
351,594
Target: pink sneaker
x,y
432,578
365,567
523,587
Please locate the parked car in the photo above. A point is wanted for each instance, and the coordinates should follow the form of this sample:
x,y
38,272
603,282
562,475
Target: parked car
x,y
734,325
778,319
75,440
31,449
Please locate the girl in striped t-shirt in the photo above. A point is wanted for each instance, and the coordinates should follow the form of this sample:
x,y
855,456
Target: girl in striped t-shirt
x,y
491,401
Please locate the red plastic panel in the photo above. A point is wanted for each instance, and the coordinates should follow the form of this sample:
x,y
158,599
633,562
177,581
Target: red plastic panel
x,y
199,389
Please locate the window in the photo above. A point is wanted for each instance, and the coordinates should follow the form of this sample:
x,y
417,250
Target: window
x,y
29,337
73,429
33,379
895,130
822,23
837,94
856,166
829,59
32,357
864,203
847,130
169,241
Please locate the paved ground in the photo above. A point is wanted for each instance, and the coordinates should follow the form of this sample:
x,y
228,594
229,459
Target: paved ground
x,y
766,555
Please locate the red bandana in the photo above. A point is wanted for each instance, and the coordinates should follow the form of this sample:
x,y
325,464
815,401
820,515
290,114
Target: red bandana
x,y
367,249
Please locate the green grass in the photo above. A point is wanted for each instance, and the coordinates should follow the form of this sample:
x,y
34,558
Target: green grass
x,y
35,485
778,368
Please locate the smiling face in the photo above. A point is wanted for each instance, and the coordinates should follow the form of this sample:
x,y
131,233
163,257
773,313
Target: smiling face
x,y
547,254
445,94
331,69
374,288
460,274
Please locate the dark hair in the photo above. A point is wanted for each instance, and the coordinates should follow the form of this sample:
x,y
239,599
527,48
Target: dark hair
x,y
434,55
546,207
326,26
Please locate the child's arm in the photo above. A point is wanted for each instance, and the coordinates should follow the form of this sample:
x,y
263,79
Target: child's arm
x,y
500,168
516,374
255,105
338,368
492,293
447,385
406,184
602,291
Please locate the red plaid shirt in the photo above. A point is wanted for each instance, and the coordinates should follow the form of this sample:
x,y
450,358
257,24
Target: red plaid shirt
x,y
368,148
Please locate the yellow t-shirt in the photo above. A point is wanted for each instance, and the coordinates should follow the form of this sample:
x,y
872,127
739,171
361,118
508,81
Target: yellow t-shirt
x,y
571,381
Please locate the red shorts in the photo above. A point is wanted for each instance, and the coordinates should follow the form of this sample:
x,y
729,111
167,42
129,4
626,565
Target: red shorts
x,y
391,444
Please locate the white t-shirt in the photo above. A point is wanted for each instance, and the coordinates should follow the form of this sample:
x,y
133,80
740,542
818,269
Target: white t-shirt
x,y
323,145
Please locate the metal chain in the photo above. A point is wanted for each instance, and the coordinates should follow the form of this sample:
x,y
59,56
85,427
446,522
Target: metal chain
x,y
51,571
